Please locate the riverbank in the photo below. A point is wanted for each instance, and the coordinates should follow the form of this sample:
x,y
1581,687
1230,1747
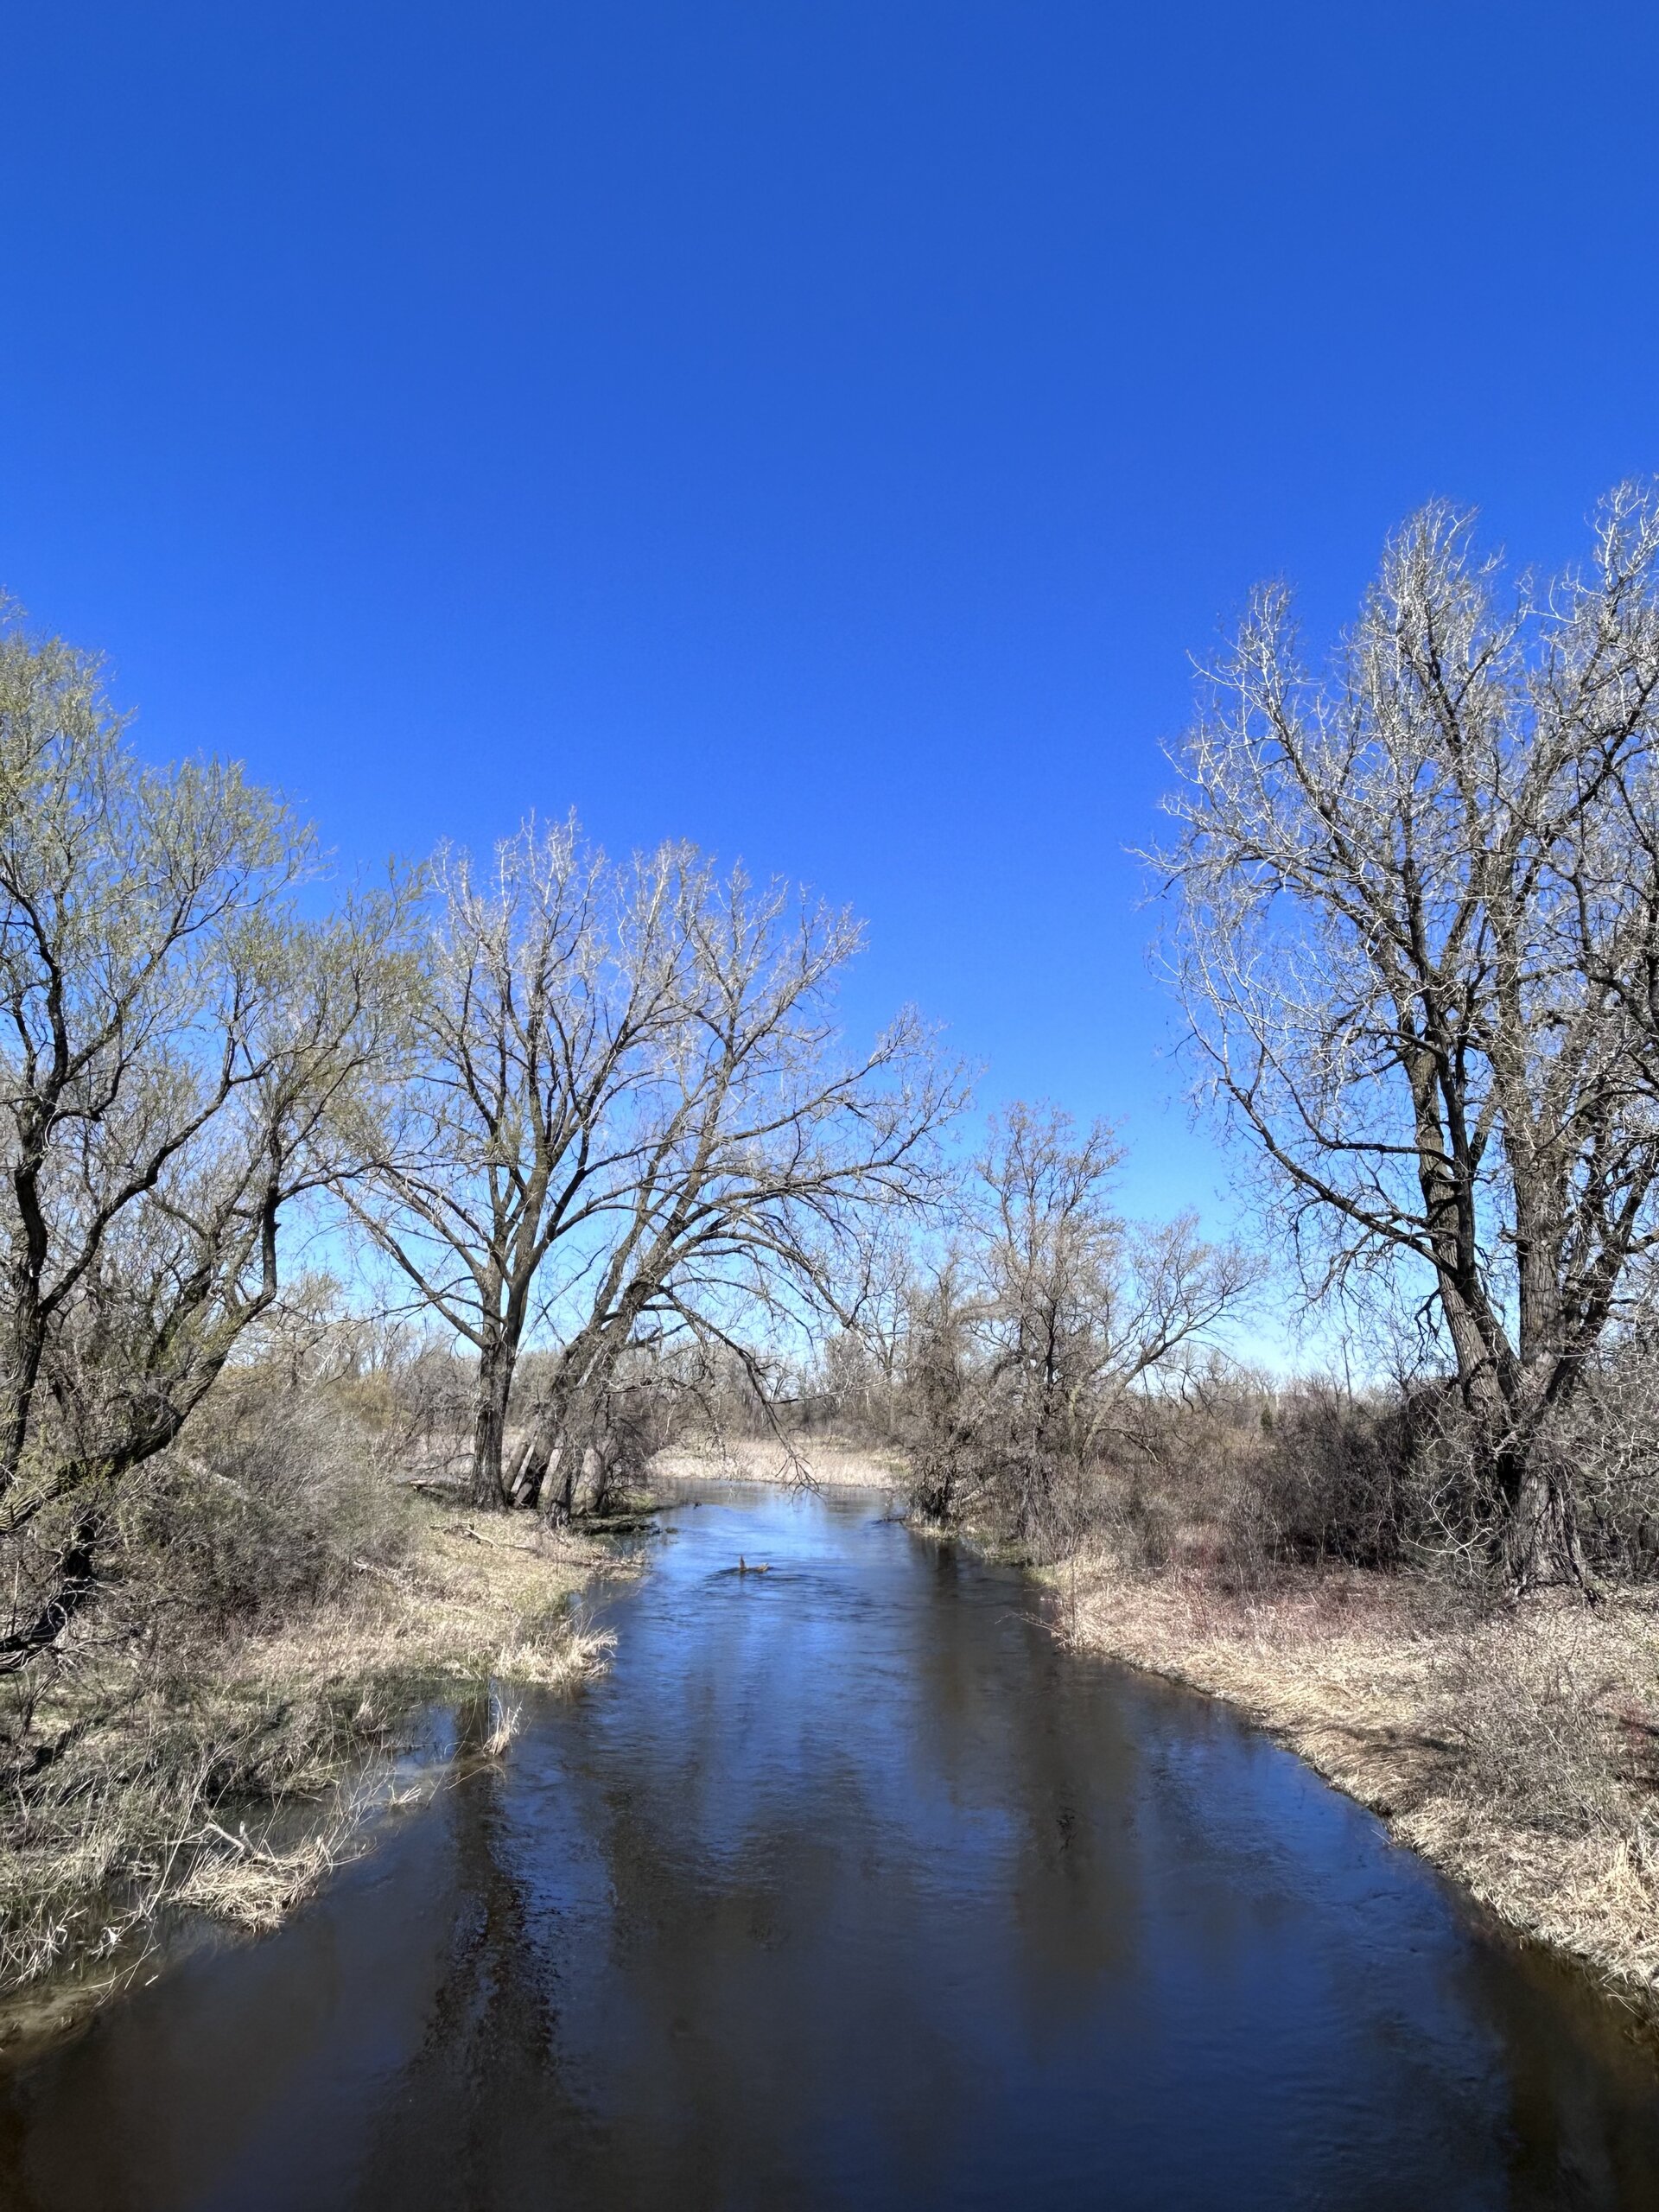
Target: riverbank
x,y
1516,1749
810,1463
228,1773
849,1856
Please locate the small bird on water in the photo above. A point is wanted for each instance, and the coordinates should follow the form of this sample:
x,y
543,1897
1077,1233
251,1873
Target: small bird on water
x,y
743,1566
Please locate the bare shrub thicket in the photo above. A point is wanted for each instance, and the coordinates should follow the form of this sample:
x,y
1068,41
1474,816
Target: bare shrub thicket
x,y
1226,1473
276,1496
1246,1478
1526,1702
126,1750
1610,1440
1021,1362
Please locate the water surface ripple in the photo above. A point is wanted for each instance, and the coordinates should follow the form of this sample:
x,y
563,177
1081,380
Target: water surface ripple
x,y
847,1887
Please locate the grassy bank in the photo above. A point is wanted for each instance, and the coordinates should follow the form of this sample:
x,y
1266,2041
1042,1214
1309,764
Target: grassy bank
x,y
1516,1747
166,1762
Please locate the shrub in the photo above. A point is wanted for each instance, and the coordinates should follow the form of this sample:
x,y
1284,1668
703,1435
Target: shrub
x,y
272,1497
1547,1728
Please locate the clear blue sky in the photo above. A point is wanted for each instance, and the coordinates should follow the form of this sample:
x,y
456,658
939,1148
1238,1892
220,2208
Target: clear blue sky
x,y
822,427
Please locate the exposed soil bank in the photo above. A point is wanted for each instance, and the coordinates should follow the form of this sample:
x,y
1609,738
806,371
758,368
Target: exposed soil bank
x,y
229,1773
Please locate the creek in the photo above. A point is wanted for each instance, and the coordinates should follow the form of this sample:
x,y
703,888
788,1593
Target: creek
x,y
850,1886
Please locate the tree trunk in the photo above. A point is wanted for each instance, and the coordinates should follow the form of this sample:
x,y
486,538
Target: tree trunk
x,y
567,1459
490,1427
1536,1541
534,1466
525,1472
1541,1545
551,1465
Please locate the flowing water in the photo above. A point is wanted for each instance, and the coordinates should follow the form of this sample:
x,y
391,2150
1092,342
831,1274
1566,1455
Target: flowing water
x,y
848,1887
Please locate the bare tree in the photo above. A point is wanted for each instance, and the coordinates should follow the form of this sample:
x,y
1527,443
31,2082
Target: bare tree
x,y
630,1125
764,1150
177,1048
553,986
853,1373
1417,938
1052,1312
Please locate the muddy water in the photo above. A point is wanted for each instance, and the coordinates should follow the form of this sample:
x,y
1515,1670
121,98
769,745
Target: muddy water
x,y
847,1888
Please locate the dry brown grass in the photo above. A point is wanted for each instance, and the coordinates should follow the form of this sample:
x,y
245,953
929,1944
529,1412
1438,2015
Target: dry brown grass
x,y
480,1598
823,1463
230,1772
1517,1749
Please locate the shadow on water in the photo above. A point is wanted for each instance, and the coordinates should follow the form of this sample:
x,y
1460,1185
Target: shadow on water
x,y
847,1887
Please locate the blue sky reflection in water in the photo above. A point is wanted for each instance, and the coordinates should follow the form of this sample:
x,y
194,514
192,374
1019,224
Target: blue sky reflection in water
x,y
849,1888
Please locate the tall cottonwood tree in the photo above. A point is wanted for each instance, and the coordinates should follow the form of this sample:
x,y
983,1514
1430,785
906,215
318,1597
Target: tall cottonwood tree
x,y
177,1045
552,983
1417,938
627,1122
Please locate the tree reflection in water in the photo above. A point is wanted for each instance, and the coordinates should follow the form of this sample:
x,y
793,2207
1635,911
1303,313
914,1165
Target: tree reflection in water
x,y
850,1887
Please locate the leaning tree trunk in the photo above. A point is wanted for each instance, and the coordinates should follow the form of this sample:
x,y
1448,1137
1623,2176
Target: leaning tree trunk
x,y
545,1467
559,1454
535,1467
548,1469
